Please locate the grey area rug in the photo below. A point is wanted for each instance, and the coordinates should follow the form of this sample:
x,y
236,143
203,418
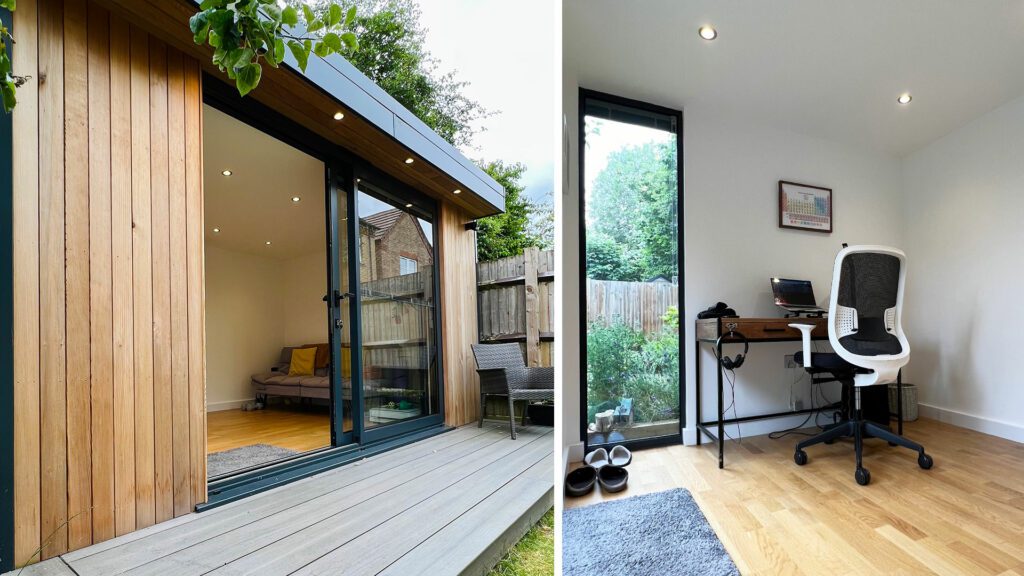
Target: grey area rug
x,y
658,534
237,458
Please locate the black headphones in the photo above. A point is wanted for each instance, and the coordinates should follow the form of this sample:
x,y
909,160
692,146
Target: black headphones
x,y
737,361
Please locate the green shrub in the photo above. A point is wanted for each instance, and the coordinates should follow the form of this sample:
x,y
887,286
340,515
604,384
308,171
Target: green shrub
x,y
626,363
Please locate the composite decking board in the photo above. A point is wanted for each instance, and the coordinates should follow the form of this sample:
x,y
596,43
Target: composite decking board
x,y
136,549
228,546
308,486
407,529
463,541
431,492
51,567
313,541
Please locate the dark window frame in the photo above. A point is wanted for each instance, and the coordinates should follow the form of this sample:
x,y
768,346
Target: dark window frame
x,y
586,95
7,321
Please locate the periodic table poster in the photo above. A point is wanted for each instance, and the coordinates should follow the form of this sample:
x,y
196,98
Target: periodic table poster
x,y
805,207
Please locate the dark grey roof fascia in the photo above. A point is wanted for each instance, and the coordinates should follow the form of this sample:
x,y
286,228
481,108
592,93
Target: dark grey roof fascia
x,y
339,79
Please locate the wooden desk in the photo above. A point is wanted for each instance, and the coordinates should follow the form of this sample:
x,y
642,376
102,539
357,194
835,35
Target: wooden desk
x,y
756,330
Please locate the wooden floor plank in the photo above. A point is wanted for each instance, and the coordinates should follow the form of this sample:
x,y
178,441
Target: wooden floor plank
x,y
964,516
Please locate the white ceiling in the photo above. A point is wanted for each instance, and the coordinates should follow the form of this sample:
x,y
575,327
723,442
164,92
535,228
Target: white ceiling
x,y
253,205
827,68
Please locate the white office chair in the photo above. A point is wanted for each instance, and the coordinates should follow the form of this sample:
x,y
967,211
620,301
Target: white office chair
x,y
864,329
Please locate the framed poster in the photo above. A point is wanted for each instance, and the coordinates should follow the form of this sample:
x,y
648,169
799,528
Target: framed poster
x,y
805,207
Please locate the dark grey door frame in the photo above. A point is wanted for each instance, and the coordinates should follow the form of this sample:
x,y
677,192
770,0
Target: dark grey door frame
x,y
7,339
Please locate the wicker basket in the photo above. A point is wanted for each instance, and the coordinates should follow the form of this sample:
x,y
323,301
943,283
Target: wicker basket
x,y
909,401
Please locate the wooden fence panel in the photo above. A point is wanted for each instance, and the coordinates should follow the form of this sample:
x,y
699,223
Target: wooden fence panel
x,y
639,305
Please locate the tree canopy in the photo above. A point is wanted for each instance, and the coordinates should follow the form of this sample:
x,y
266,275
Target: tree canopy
x,y
631,215
506,234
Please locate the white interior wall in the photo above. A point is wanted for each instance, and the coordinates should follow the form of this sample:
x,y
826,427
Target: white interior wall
x,y
256,306
963,201
305,283
245,297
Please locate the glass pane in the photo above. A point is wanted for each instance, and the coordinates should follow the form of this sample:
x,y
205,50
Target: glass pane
x,y
632,247
396,266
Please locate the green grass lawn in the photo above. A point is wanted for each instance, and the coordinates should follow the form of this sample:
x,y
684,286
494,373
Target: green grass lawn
x,y
534,555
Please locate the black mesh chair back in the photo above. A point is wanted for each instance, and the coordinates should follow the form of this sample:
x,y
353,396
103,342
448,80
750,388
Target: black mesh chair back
x,y
869,285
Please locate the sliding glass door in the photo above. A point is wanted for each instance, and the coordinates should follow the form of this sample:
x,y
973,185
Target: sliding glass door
x,y
632,261
398,336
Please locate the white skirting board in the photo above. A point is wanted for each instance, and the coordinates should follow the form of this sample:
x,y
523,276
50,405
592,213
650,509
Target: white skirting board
x,y
227,405
998,428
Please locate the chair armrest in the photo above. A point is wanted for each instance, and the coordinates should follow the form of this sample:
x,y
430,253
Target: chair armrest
x,y
541,378
805,332
493,380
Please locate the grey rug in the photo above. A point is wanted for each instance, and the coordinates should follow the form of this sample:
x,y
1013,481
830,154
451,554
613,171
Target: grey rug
x,y
237,458
658,534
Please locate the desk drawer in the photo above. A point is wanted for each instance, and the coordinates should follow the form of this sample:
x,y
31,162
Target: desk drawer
x,y
777,329
762,328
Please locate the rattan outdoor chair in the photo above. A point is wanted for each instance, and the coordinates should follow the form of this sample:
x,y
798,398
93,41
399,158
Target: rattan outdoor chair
x,y
504,373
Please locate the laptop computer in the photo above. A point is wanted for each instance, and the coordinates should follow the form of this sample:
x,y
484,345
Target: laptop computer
x,y
796,296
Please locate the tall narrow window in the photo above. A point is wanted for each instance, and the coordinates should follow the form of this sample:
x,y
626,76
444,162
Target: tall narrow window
x,y
631,254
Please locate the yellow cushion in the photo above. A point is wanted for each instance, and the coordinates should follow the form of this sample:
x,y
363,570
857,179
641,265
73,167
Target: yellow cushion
x,y
302,362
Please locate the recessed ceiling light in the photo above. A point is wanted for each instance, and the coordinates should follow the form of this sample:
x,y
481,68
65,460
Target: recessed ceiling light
x,y
338,115
216,230
296,198
708,32
226,172
456,191
408,160
408,205
905,98
268,242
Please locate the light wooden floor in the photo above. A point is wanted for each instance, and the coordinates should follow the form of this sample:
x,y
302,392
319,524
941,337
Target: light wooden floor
x,y
964,516
450,504
300,429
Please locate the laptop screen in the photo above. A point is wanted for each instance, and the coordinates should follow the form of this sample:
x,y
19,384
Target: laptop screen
x,y
793,292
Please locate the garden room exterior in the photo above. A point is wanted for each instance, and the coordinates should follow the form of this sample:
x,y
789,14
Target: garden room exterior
x,y
142,195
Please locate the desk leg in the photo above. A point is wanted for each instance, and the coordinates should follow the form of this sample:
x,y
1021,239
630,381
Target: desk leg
x,y
899,403
718,411
697,368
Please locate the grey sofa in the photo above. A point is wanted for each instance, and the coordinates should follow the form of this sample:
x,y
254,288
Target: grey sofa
x,y
277,382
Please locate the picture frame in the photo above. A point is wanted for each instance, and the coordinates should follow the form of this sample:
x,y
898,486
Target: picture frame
x,y
805,207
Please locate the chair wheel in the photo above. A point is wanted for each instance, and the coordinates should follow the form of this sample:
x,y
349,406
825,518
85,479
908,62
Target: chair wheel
x,y
800,457
863,476
924,461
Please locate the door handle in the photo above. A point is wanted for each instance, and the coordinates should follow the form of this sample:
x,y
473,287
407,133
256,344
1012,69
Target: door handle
x,y
338,297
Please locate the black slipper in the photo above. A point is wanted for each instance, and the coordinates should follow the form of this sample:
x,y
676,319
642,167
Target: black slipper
x,y
613,478
580,481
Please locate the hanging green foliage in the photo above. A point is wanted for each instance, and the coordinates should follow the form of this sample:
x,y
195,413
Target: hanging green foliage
x,y
243,33
8,81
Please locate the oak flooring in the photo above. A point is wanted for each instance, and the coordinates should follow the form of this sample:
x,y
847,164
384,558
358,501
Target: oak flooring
x,y
964,516
296,428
